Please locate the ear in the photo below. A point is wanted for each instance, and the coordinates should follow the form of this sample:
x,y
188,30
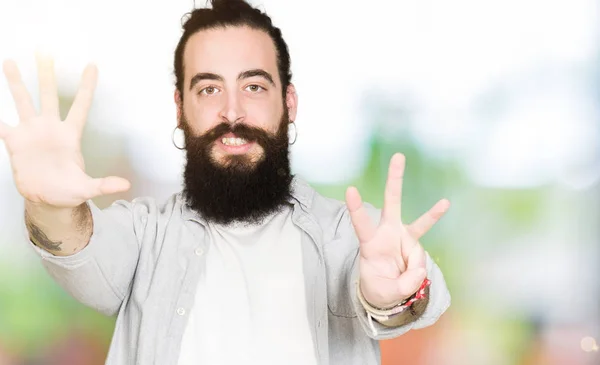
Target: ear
x,y
291,102
179,106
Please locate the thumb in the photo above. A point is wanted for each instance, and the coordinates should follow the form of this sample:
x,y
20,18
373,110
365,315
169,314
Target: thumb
x,y
4,129
108,185
410,281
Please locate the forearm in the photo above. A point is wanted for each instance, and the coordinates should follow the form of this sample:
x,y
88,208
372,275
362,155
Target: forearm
x,y
60,231
100,274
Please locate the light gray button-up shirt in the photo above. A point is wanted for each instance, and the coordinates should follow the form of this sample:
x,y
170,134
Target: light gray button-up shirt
x,y
144,260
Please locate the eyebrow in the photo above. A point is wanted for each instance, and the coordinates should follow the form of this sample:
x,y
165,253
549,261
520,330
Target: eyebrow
x,y
204,76
257,72
243,75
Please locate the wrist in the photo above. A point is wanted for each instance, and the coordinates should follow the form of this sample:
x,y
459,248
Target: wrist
x,y
44,212
383,314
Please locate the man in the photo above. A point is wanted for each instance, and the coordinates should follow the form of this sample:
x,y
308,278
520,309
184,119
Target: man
x,y
248,263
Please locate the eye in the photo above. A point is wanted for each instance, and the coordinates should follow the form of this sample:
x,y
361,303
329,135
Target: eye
x,y
209,90
254,88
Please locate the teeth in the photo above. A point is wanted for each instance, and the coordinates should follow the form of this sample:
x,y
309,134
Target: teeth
x,y
234,141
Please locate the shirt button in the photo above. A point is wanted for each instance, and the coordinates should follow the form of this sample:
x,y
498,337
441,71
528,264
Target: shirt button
x,y
319,323
181,311
198,251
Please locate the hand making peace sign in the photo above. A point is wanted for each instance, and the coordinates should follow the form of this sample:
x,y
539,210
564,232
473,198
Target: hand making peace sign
x,y
392,262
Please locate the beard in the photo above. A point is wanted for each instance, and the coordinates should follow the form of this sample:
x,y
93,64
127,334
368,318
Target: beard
x,y
240,188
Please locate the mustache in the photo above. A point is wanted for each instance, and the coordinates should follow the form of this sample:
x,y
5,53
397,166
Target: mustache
x,y
249,133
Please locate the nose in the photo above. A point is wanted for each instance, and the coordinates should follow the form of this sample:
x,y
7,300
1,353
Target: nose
x,y
232,111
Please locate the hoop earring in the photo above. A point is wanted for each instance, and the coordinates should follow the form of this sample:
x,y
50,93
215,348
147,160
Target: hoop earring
x,y
295,133
173,140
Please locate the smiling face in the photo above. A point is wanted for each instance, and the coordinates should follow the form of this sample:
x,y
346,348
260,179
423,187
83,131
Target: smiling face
x,y
231,77
235,121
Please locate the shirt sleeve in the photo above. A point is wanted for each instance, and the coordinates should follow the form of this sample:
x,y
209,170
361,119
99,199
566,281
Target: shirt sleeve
x,y
100,275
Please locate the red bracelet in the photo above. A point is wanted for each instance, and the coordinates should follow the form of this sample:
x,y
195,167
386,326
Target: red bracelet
x,y
420,294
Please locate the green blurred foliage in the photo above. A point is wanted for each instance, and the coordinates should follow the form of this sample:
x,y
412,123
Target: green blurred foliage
x,y
36,312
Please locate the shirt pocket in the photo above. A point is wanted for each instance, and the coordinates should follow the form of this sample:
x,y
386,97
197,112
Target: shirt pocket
x,y
340,255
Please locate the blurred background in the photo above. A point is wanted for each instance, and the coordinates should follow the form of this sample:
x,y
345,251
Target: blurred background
x,y
495,104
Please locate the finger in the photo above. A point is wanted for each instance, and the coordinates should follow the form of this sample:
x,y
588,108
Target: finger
x,y
106,186
5,129
392,200
423,224
414,257
83,100
410,281
21,96
48,89
363,225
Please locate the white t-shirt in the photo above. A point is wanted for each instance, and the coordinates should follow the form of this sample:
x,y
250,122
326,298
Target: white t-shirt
x,y
250,304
